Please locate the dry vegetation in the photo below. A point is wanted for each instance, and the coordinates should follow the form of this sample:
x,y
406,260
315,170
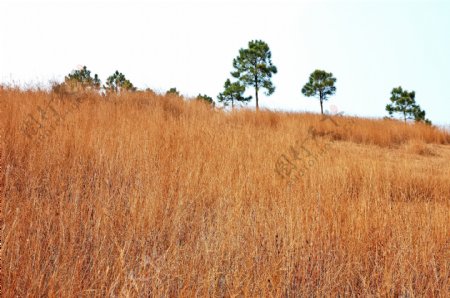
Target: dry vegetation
x,y
140,195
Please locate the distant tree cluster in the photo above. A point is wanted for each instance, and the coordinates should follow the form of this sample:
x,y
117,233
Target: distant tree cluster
x,y
252,68
82,79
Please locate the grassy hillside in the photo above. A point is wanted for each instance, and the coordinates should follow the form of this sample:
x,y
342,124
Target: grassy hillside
x,y
147,195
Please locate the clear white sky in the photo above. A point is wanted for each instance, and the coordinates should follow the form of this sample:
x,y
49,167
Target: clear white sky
x,y
370,46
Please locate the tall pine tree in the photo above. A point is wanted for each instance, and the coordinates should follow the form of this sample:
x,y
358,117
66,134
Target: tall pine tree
x,y
254,68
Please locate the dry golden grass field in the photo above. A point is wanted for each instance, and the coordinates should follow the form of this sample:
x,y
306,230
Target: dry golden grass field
x,y
142,195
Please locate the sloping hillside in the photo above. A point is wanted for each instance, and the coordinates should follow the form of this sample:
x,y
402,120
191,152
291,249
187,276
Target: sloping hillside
x,y
147,195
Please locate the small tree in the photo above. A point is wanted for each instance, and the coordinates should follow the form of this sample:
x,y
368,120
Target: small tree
x,y
320,85
233,92
254,68
117,82
82,79
419,115
404,103
205,98
173,91
149,91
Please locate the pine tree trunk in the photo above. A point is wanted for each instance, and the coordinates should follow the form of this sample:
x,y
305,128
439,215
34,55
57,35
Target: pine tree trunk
x,y
256,93
321,101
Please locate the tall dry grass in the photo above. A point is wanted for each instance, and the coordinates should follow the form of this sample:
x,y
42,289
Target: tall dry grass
x,y
141,195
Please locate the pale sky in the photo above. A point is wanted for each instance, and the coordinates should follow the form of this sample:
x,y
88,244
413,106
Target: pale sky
x,y
370,47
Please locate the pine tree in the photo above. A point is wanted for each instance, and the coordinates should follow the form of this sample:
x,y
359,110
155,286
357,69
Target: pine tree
x,y
82,79
254,68
117,82
205,98
404,103
320,85
233,92
173,91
